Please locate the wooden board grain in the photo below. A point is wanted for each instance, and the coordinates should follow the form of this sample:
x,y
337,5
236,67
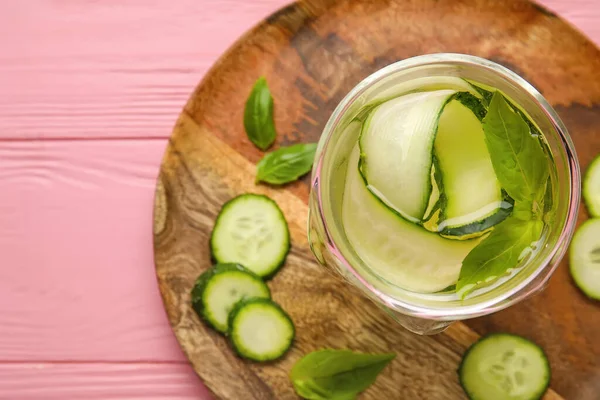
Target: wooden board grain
x,y
312,53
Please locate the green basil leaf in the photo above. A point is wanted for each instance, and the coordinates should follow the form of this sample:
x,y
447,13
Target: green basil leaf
x,y
286,164
503,249
258,116
517,157
487,98
523,170
336,374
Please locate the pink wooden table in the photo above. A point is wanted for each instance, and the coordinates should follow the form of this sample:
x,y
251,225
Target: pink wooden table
x,y
89,91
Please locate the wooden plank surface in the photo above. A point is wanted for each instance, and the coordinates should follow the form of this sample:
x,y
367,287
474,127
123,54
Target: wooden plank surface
x,y
123,381
83,69
88,70
76,218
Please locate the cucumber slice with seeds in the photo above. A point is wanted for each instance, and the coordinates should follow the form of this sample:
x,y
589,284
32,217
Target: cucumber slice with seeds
x,y
217,290
502,366
591,188
251,230
260,330
584,258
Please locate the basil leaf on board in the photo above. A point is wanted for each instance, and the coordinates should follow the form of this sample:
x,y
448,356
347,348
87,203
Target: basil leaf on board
x,y
258,116
336,374
503,249
286,164
517,157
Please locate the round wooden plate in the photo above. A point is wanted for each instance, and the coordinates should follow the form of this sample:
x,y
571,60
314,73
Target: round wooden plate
x,y
312,52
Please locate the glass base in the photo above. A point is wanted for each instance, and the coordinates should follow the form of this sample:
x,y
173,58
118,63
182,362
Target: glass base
x,y
420,326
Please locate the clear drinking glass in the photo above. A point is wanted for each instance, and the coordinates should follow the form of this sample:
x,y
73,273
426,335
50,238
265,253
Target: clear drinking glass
x,y
432,313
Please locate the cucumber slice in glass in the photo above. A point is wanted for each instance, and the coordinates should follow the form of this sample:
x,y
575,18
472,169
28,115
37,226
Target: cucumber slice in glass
x,y
502,366
400,252
260,330
396,144
251,230
472,200
424,84
217,290
584,258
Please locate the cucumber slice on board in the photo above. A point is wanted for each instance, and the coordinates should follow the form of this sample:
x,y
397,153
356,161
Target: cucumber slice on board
x,y
251,230
472,200
591,188
584,258
502,366
396,144
400,252
260,330
217,290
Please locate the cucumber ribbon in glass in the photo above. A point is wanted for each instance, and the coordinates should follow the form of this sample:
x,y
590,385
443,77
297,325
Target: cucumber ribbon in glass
x,y
433,173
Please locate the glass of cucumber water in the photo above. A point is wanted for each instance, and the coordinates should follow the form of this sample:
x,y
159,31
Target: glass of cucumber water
x,y
445,187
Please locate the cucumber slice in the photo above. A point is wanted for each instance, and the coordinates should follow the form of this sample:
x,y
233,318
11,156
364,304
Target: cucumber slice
x,y
584,258
251,230
591,188
425,84
396,151
260,330
472,200
400,252
502,366
217,290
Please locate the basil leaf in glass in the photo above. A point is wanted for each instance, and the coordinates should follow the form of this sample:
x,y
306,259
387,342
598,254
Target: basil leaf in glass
x,y
518,158
509,243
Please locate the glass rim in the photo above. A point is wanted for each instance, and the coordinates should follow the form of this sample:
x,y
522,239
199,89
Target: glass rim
x,y
551,260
